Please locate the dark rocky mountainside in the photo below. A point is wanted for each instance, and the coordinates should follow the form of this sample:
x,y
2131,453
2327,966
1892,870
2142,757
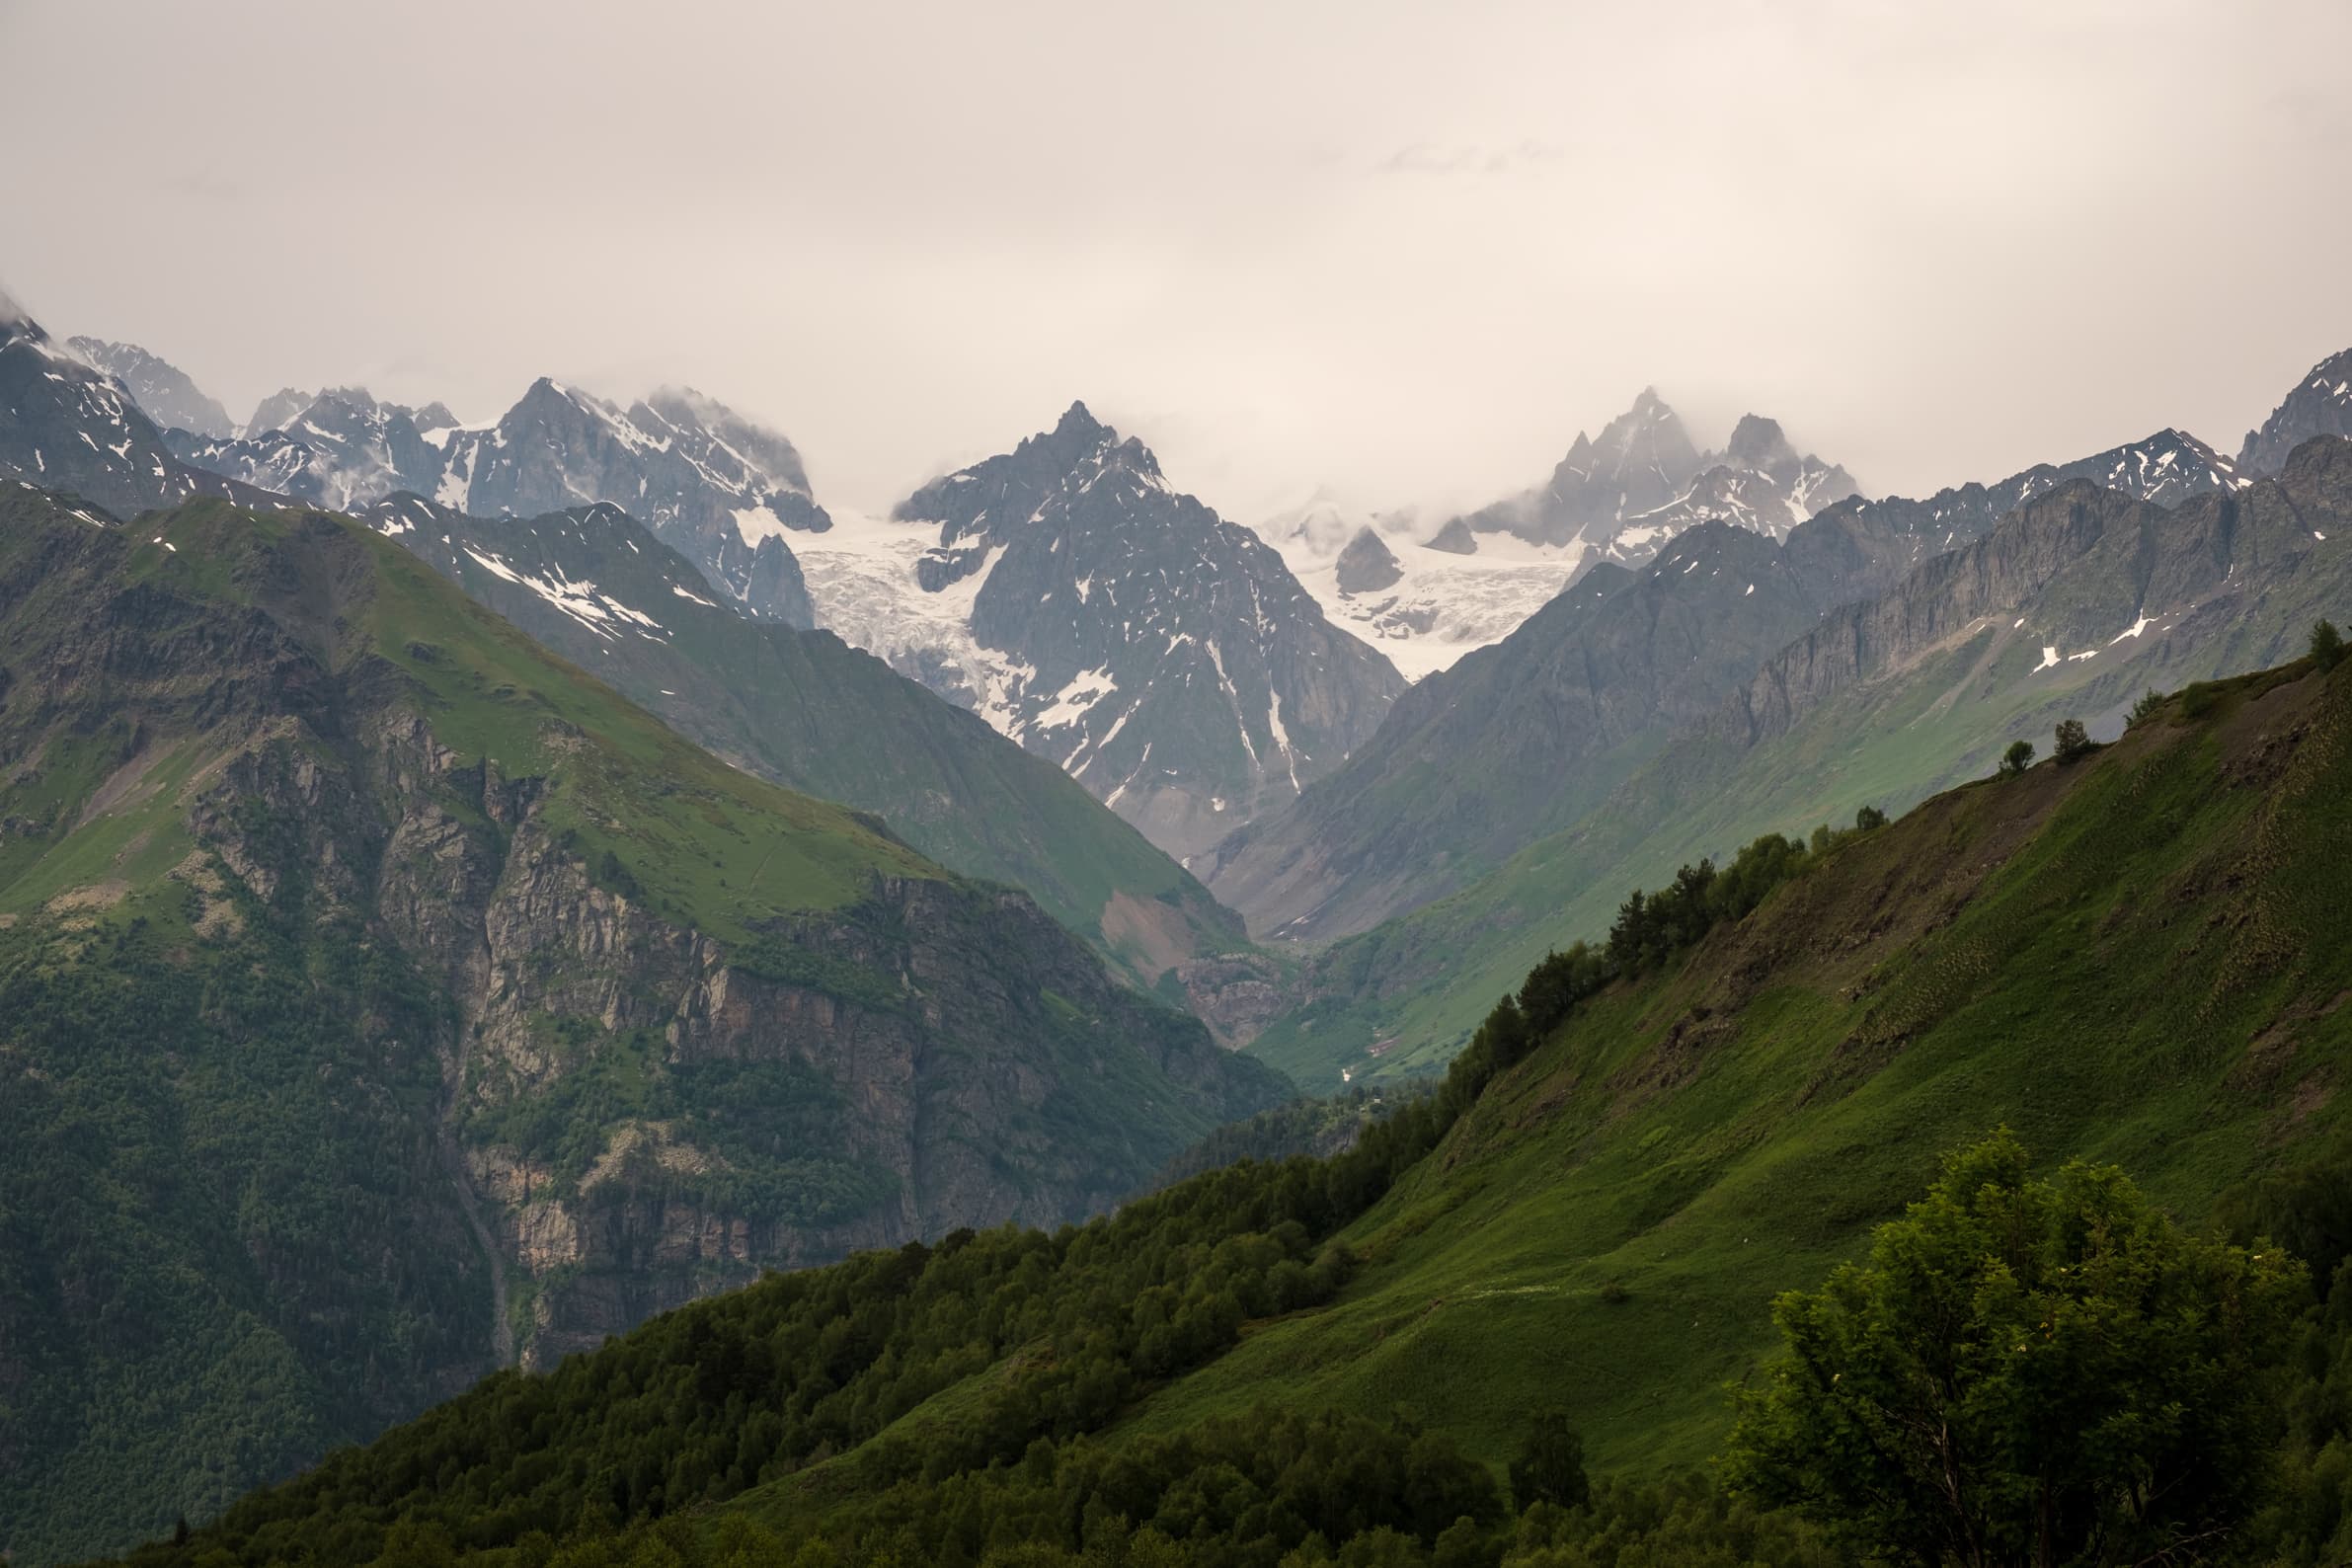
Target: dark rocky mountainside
x,y
2320,404
164,392
1521,739
1166,657
403,1001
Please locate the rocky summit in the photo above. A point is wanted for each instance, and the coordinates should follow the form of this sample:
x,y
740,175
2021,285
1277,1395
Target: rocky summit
x,y
1167,659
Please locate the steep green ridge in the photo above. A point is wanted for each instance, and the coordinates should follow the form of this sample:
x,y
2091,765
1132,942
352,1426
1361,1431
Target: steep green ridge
x,y
383,999
2142,958
2140,955
809,711
1889,700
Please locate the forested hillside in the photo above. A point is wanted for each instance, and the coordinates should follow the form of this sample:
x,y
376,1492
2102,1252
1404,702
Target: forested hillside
x,y
2137,954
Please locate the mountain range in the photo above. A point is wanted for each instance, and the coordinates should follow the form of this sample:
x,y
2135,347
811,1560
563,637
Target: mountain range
x,y
1269,696
794,706
469,892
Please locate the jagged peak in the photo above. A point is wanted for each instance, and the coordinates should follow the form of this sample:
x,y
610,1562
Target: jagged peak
x,y
15,315
1080,420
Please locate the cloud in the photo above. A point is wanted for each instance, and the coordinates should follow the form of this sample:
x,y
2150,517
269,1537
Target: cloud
x,y
1407,249
1424,157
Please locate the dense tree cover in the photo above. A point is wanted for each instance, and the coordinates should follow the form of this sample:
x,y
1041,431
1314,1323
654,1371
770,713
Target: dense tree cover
x,y
2027,1372
230,1241
1271,1490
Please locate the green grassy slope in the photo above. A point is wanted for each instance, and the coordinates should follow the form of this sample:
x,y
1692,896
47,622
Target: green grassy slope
x,y
2143,957
1402,997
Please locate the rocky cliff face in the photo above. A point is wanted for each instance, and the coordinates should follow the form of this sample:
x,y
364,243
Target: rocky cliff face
x,y
943,1112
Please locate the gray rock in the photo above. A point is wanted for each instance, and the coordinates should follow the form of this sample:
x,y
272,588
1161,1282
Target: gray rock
x,y
1366,565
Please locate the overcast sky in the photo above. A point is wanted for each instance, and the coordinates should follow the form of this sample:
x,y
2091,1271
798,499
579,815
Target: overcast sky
x,y
1404,250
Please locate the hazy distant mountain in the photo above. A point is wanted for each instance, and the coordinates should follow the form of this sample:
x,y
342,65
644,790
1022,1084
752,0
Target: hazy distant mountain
x,y
1758,481
2320,404
1622,496
1166,657
161,389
